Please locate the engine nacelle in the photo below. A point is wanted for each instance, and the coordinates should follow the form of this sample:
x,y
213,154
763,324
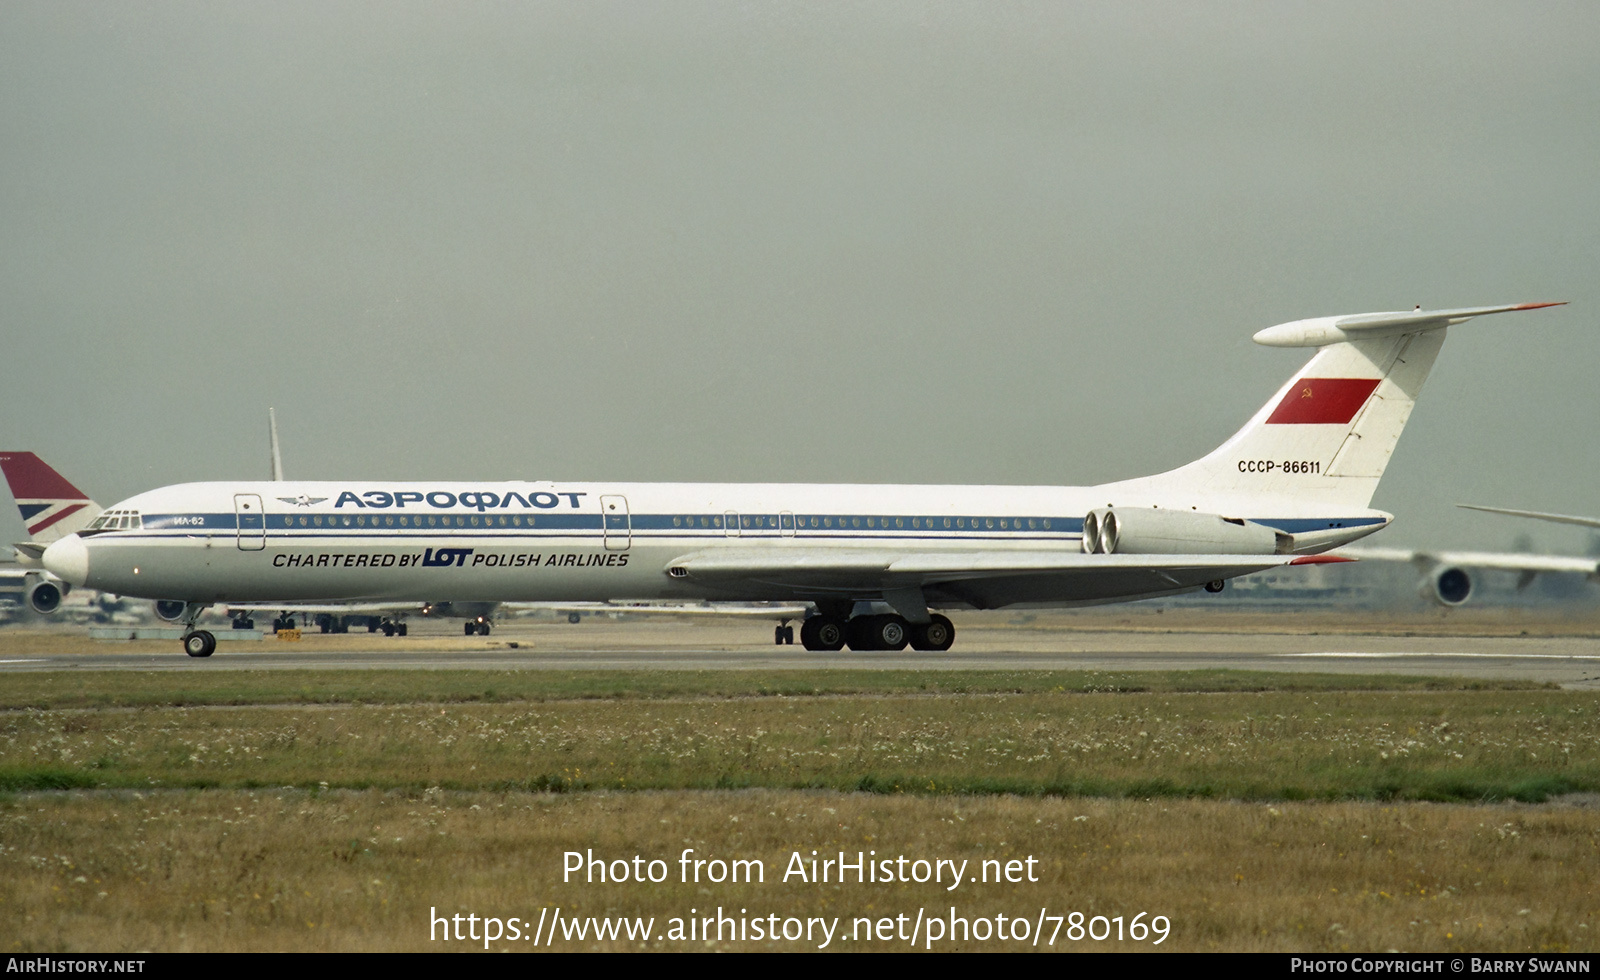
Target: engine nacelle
x,y
44,596
1447,585
1152,531
170,610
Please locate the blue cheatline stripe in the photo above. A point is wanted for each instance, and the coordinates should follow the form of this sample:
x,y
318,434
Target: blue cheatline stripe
x,y
691,525
535,534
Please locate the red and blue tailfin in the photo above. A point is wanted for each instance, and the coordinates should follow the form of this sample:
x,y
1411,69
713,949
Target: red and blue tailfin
x,y
51,507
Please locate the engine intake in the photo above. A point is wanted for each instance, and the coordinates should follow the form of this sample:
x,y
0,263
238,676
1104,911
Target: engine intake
x,y
1138,531
44,597
170,610
1448,586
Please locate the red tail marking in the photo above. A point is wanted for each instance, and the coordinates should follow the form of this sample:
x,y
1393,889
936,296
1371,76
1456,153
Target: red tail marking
x,y
63,512
31,478
1323,401
1319,560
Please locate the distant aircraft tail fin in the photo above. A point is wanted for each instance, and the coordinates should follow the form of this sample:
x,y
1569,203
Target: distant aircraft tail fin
x,y
51,507
1323,441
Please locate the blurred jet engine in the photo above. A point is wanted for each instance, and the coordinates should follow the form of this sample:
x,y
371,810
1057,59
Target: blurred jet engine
x,y
1447,585
170,610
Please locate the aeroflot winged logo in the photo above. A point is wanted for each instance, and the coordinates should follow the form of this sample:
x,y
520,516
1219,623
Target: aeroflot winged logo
x,y
302,500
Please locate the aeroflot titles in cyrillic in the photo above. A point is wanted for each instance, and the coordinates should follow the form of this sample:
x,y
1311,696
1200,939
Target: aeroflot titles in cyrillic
x,y
442,499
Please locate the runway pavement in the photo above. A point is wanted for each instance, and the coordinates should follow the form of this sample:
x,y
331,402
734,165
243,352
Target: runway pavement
x,y
1571,661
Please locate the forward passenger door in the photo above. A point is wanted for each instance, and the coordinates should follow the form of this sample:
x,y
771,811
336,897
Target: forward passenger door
x,y
614,520
251,520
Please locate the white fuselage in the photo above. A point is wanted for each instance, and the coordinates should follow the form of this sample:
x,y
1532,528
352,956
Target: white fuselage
x,y
285,542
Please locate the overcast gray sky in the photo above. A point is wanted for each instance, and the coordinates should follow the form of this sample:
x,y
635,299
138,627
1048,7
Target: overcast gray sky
x,y
886,242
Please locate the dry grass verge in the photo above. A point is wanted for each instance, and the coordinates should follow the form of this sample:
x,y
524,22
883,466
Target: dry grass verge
x,y
50,689
1469,745
293,870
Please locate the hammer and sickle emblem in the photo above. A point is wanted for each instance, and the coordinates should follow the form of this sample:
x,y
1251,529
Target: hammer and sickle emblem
x,y
1305,392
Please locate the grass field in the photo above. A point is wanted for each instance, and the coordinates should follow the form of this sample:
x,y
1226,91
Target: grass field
x,y
46,690
298,870
1216,734
270,810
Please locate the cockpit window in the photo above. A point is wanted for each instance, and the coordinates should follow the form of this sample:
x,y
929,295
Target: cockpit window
x,y
117,520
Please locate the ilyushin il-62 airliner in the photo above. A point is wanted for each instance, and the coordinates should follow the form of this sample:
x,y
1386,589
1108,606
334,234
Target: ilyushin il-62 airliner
x,y
873,563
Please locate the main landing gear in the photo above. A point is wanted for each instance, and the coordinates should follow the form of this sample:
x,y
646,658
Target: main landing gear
x,y
887,632
471,626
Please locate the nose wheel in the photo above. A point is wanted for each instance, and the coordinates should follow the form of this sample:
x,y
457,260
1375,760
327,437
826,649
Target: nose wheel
x,y
196,643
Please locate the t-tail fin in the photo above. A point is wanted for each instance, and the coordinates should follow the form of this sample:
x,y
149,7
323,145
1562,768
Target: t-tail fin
x,y
1322,442
51,507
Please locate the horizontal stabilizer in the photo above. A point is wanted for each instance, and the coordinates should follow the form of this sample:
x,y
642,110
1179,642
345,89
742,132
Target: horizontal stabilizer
x,y
1324,330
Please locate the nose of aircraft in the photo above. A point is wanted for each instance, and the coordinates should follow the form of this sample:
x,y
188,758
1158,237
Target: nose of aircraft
x,y
68,559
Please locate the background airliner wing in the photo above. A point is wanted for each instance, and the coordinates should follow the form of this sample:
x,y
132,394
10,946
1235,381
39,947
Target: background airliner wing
x,y
1537,515
1511,561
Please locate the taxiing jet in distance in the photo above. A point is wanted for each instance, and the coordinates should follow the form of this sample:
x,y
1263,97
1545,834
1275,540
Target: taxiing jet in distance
x,y
51,509
1446,575
871,562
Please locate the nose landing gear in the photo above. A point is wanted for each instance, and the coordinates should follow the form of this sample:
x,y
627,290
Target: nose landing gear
x,y
196,643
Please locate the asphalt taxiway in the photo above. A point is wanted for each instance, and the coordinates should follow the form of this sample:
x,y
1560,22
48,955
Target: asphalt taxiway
x,y
1572,661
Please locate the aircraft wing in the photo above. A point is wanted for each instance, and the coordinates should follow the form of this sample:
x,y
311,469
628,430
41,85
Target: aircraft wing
x,y
984,578
756,610
335,608
1537,515
1511,561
